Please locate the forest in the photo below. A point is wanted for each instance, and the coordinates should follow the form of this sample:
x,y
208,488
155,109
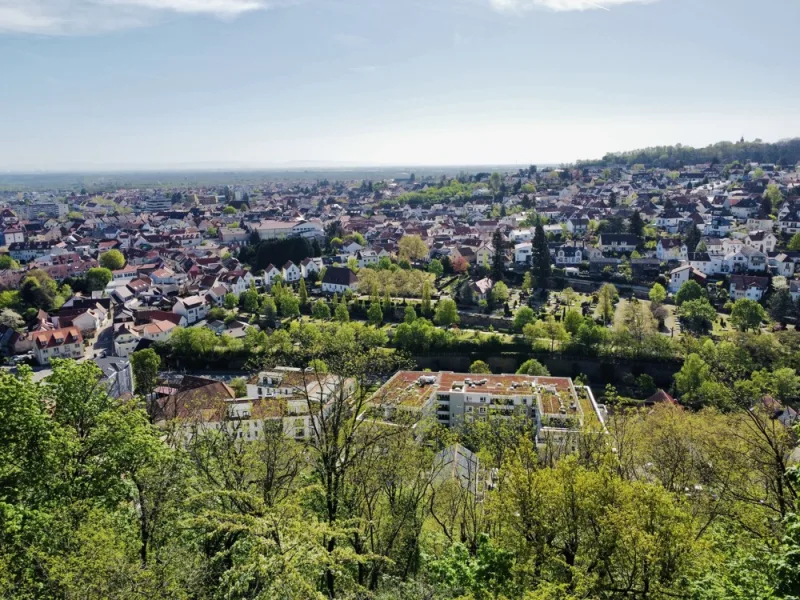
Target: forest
x,y
784,152
97,501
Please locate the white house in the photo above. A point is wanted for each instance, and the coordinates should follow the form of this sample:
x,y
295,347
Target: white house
x,y
270,274
568,255
366,258
338,280
763,241
193,308
57,343
748,286
291,272
522,253
309,266
671,249
682,274
618,242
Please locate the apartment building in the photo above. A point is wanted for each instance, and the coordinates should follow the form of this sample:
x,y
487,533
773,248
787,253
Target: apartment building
x,y
557,409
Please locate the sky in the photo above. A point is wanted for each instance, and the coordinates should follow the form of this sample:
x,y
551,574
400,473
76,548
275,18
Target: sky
x,y
144,84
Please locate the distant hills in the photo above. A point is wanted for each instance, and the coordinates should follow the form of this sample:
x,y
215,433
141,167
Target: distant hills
x,y
785,152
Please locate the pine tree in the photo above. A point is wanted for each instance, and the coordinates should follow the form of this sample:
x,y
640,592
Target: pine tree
x,y
693,237
425,305
540,260
303,293
637,225
498,259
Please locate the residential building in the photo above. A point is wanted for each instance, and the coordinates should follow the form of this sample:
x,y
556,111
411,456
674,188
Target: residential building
x,y
194,308
558,411
748,286
338,280
57,343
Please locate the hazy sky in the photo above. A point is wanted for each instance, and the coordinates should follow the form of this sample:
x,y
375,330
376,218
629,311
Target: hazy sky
x,y
148,83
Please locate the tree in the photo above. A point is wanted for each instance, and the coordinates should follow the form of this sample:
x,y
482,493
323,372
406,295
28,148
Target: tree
x,y
436,267
693,374
446,312
229,301
636,226
11,319
340,313
412,247
248,301
410,314
607,297
540,256
637,322
97,278
460,265
499,293
523,316
321,310
289,306
499,256
772,195
145,364
113,260
657,294
527,281
572,321
569,296
690,290
794,243
693,237
425,304
6,262
697,315
228,211
375,314
303,293
480,367
268,308
533,367
549,329
747,314
781,305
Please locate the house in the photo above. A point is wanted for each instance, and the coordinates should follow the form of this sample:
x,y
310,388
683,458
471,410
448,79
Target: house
x,y
705,262
668,249
14,235
194,308
745,259
338,280
484,255
763,241
473,292
270,274
577,225
309,266
522,253
794,289
568,255
748,286
782,264
679,276
27,251
117,376
57,343
745,209
366,258
618,242
291,272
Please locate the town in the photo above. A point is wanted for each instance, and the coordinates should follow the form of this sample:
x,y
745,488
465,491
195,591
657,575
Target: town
x,y
419,361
